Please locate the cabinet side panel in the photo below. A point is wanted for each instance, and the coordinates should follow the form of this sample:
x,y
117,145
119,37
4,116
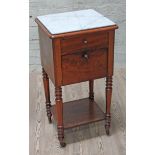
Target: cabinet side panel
x,y
46,54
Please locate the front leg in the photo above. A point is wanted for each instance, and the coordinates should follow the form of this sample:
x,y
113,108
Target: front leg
x,y
47,95
59,111
108,103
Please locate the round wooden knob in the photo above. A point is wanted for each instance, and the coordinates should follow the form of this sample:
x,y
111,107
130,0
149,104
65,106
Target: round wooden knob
x,y
85,56
85,41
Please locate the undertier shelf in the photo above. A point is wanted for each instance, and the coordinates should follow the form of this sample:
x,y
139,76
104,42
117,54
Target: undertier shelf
x,y
79,112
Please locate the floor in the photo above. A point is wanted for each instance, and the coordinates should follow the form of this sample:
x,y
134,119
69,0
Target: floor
x,y
85,140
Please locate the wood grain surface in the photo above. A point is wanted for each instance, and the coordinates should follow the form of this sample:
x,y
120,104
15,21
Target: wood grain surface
x,y
85,140
85,41
77,68
79,112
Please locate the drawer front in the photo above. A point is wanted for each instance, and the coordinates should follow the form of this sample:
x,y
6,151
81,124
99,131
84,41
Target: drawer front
x,y
73,44
84,66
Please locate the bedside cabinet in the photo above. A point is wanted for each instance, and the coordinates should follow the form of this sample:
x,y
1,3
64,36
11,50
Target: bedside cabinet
x,y
75,47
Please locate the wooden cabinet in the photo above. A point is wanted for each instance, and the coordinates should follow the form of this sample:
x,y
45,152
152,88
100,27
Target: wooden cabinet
x,y
73,57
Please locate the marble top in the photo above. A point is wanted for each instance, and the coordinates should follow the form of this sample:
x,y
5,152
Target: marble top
x,y
74,21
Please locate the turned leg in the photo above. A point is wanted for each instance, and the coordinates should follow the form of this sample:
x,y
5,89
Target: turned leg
x,y
47,95
108,103
59,110
91,91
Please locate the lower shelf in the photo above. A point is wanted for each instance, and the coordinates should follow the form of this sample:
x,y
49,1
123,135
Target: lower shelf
x,y
80,112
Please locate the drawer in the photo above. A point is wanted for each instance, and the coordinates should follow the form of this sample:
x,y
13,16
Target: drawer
x,y
73,44
84,66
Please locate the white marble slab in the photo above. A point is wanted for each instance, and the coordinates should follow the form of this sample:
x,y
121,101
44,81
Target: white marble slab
x,y
74,21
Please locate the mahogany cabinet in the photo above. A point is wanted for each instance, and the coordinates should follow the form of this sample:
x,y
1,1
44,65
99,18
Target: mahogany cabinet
x,y
75,47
